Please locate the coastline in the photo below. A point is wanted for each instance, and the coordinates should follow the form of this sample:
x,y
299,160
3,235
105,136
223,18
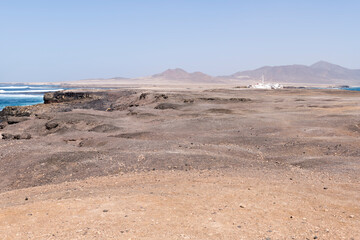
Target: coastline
x,y
285,162
109,84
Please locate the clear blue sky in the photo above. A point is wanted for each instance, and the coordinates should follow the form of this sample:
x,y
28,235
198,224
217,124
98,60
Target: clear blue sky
x,y
61,40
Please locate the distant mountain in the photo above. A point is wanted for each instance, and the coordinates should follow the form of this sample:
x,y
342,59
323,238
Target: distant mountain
x,y
179,74
319,73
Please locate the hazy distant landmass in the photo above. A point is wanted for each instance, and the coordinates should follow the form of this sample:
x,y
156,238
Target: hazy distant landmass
x,y
180,74
319,73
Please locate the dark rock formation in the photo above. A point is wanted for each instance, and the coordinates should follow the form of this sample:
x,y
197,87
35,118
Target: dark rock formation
x,y
164,106
2,124
16,111
8,136
14,120
57,97
240,99
98,100
51,125
143,96
225,100
161,96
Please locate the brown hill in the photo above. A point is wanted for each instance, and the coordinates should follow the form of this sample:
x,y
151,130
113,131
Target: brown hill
x,y
179,74
318,73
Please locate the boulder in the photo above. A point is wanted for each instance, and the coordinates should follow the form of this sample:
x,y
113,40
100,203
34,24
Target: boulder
x,y
51,125
143,95
14,120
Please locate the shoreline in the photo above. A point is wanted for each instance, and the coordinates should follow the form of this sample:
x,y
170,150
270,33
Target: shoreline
x,y
172,86
277,163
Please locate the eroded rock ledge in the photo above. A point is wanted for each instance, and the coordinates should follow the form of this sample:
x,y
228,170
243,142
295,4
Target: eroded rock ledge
x,y
67,96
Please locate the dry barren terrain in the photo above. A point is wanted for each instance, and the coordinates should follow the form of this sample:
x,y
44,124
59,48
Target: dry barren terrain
x,y
182,164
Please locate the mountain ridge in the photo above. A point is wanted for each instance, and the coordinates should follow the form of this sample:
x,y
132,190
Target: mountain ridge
x,y
181,74
321,72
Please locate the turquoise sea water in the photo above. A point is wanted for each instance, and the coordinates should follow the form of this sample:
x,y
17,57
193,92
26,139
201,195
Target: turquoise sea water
x,y
21,95
353,89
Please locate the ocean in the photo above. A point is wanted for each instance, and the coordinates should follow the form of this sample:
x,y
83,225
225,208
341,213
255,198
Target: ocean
x,y
21,95
353,89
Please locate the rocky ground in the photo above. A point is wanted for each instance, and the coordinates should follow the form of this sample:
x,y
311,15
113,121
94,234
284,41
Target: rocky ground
x,y
182,164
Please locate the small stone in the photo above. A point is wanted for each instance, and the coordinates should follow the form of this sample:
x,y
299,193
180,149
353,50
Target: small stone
x,y
325,188
315,237
105,210
26,198
351,216
242,206
238,226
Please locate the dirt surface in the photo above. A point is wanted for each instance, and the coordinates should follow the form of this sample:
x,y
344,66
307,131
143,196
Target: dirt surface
x,y
183,164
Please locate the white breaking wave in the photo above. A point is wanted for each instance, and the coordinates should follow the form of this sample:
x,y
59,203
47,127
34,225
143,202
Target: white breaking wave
x,y
15,87
22,87
20,96
32,91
